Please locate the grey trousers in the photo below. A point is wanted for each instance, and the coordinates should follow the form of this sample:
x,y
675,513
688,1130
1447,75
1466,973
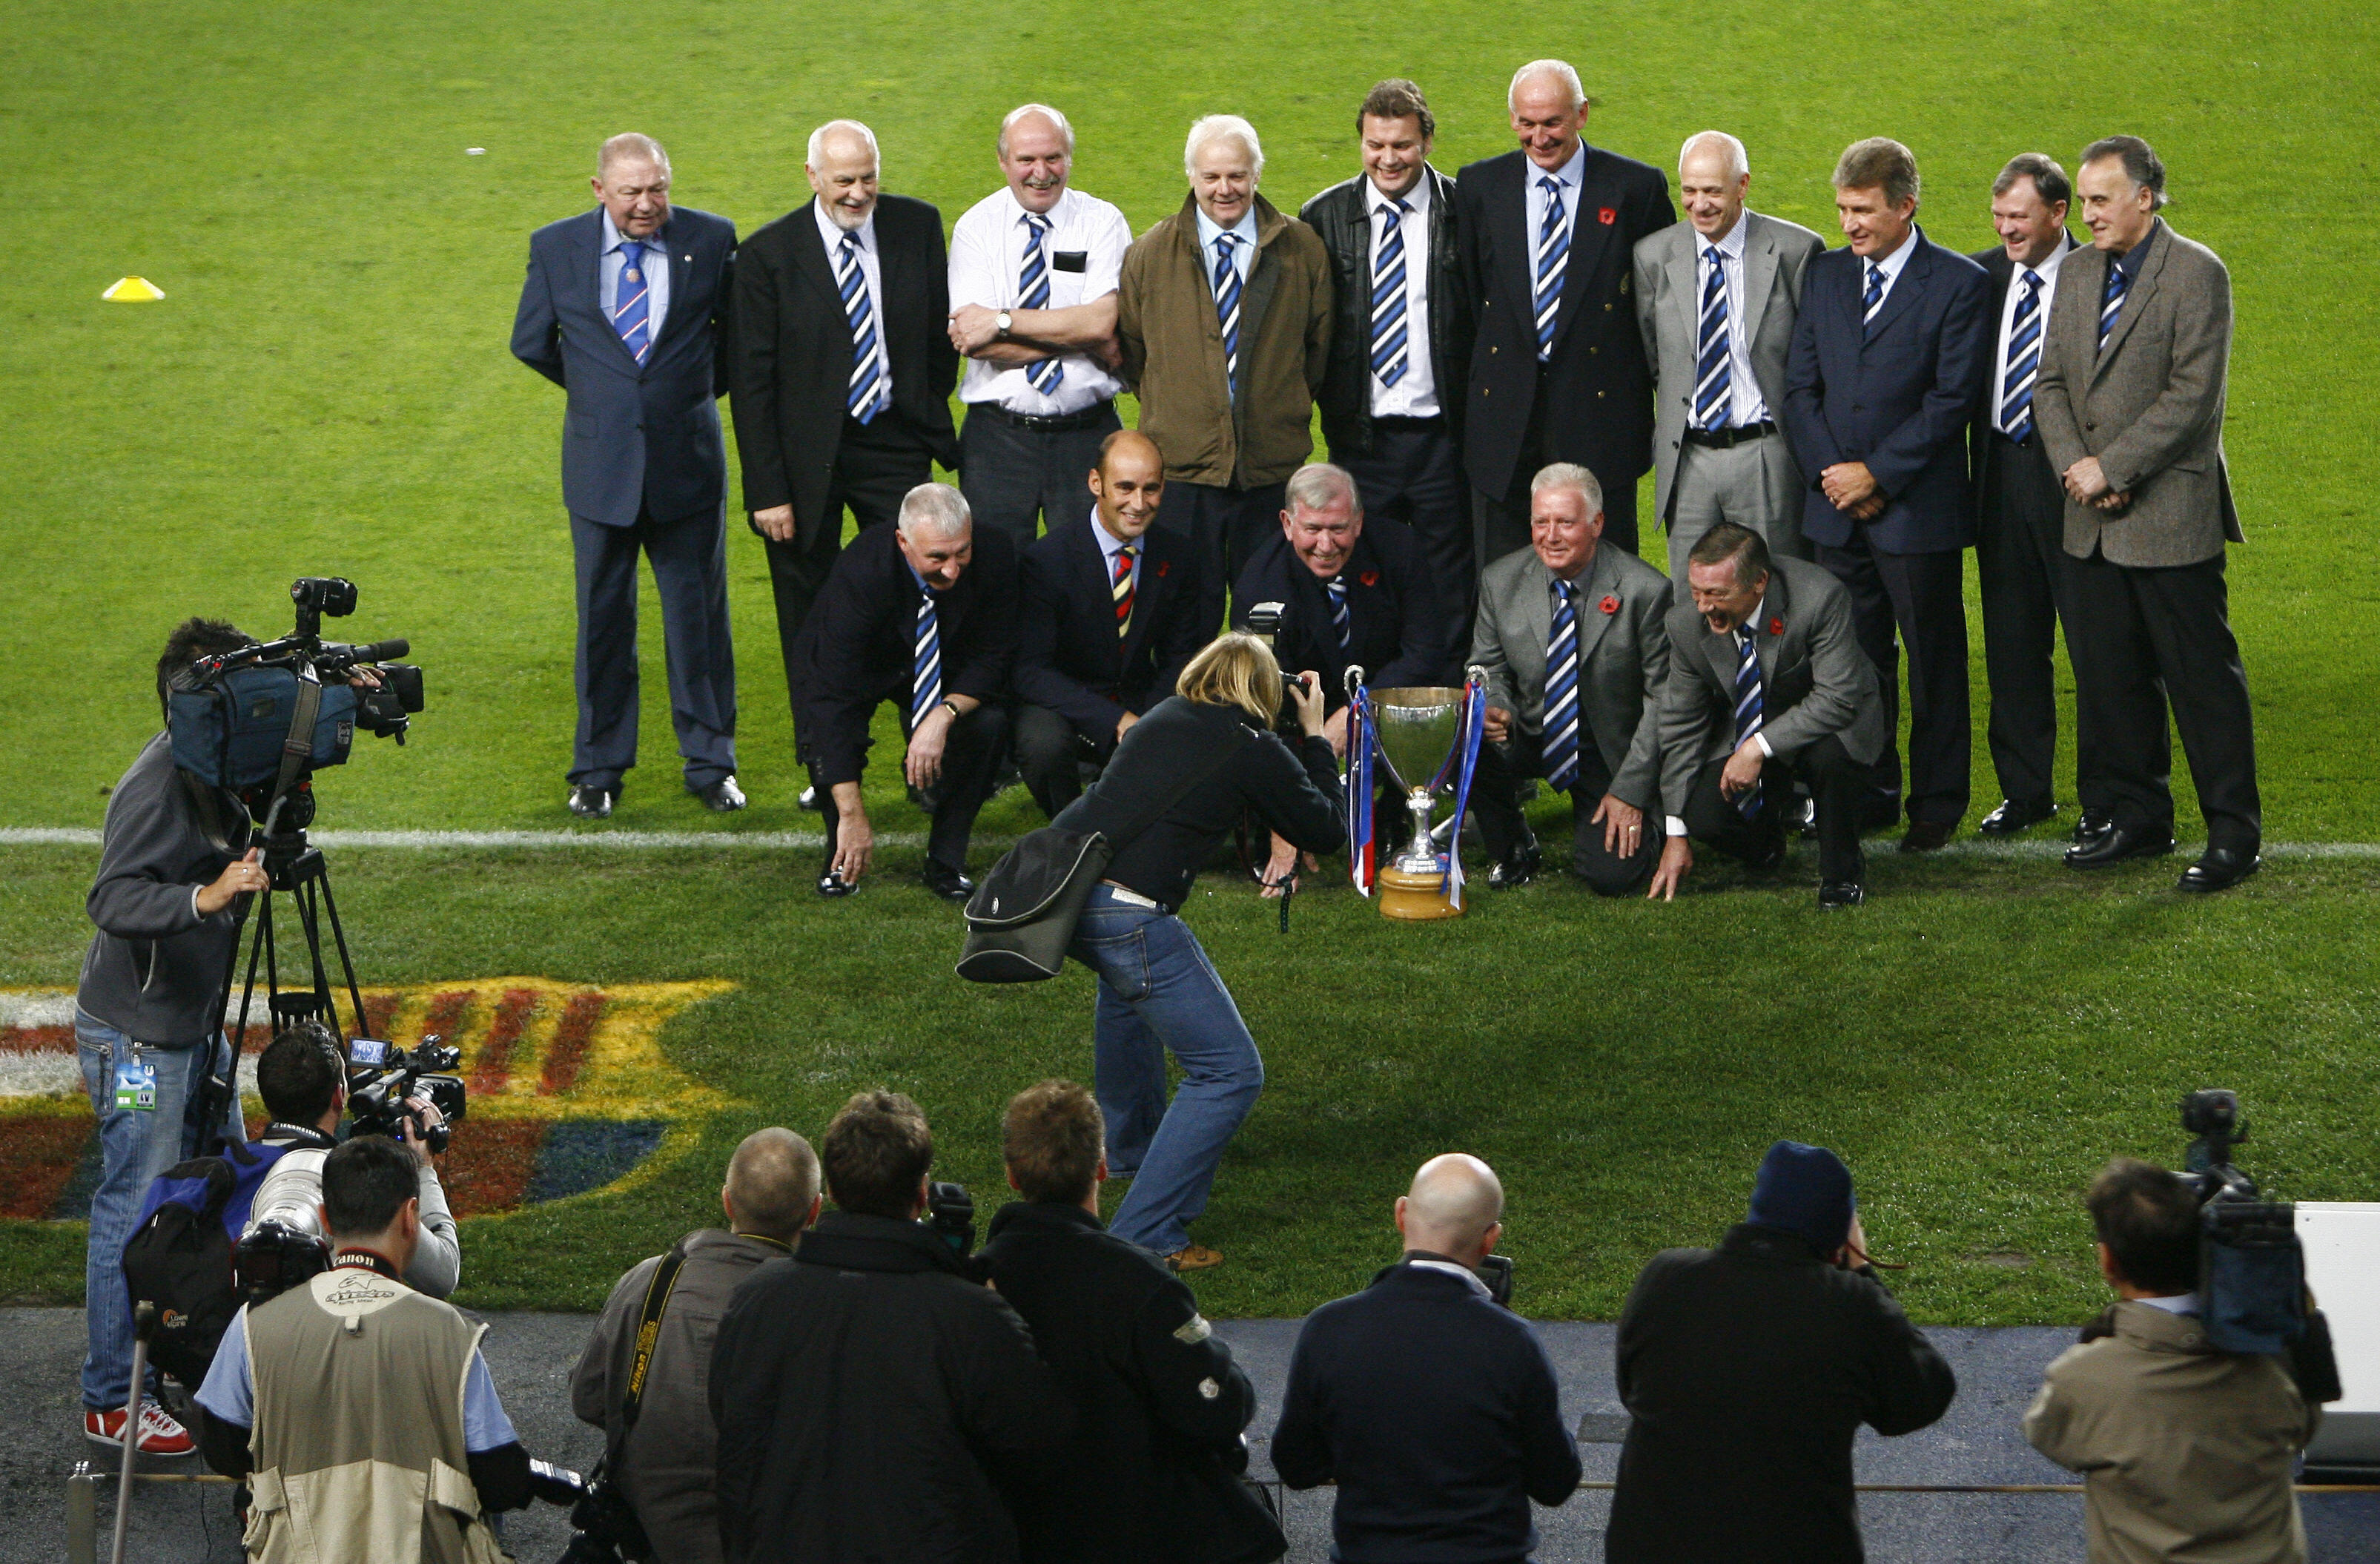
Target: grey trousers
x,y
1749,484
689,558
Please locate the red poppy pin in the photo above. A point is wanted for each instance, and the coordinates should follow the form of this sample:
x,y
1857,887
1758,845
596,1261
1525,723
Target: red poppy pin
x,y
1610,605
1775,625
1163,566
1370,577
1607,216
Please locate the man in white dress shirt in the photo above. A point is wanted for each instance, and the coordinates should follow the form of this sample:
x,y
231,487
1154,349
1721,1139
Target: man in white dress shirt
x,y
1033,309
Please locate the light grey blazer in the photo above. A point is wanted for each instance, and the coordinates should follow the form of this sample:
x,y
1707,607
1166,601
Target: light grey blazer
x,y
2150,407
1814,680
1623,656
1669,311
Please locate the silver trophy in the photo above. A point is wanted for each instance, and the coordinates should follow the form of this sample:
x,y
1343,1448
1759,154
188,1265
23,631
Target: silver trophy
x,y
1419,729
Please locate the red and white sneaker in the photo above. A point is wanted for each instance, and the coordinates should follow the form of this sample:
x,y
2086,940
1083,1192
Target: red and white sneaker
x,y
160,1433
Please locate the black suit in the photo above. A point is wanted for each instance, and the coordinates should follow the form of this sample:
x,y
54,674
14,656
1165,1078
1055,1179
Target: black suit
x,y
2021,568
1591,402
858,649
1399,627
791,373
1076,676
1898,393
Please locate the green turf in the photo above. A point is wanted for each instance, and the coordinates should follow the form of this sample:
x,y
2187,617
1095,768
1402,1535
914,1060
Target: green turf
x,y
326,389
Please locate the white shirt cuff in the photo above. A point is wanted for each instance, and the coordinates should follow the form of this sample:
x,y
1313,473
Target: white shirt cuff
x,y
1762,739
194,903
1676,826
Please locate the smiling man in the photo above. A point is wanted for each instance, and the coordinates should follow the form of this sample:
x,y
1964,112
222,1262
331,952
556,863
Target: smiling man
x,y
1223,315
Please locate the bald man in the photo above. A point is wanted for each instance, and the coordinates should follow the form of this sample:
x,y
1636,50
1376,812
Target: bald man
x,y
666,1466
1431,1405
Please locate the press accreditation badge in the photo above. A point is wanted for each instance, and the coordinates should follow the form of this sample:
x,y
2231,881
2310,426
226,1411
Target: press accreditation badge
x,y
136,1088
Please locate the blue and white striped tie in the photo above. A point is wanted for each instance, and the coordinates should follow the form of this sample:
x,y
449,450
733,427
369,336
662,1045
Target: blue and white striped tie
x,y
2024,362
926,675
1033,286
1337,587
1875,301
869,370
630,315
1227,309
1715,368
2111,302
1561,693
1747,709
1388,325
1553,258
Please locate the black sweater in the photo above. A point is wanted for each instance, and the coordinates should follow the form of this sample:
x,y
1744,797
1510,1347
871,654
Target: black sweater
x,y
1296,794
1436,1411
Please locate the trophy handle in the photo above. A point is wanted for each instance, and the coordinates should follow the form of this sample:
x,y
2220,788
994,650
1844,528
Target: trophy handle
x,y
1354,679
1477,674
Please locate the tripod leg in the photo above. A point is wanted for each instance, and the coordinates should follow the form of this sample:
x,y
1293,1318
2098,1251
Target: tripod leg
x,y
347,963
309,918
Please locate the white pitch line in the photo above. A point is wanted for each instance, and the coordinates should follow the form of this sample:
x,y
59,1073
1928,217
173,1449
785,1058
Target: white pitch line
x,y
2048,847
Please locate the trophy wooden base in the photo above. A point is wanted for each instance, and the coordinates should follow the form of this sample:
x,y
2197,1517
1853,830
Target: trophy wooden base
x,y
1412,898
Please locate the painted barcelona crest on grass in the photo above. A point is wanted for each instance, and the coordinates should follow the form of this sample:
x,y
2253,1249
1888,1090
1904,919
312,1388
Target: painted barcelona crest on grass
x,y
569,1091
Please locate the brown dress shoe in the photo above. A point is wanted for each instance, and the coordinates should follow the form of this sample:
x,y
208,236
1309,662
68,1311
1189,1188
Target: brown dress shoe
x,y
1924,836
1197,1257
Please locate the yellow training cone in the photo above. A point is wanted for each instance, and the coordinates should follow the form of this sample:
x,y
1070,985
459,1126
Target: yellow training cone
x,y
133,290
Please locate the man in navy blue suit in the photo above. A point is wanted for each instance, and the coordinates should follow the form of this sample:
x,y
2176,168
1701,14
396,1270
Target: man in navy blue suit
x,y
1880,386
621,309
1109,618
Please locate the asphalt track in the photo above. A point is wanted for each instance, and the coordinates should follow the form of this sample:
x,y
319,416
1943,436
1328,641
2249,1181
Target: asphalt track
x,y
531,1356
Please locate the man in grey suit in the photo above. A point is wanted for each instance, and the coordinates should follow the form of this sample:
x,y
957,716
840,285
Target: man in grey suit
x,y
1716,298
1570,634
621,309
1767,686
2129,400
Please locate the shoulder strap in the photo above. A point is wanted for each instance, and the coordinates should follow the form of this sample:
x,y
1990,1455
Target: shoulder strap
x,y
649,1329
1156,809
298,747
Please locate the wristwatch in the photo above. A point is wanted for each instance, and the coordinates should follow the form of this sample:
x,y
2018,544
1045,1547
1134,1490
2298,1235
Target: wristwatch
x,y
1004,320
953,707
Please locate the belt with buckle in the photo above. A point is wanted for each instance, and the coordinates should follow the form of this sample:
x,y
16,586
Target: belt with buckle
x,y
1097,414
1738,434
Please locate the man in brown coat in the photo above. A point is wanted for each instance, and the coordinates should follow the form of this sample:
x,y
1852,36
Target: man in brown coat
x,y
1223,315
2185,1452
2129,401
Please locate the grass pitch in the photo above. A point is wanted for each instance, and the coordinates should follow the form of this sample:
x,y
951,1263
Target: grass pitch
x,y
326,389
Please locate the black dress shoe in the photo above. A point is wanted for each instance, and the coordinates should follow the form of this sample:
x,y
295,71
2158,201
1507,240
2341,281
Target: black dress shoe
x,y
832,884
2017,814
589,803
2117,844
2091,828
1517,868
2219,868
1924,836
1835,895
1804,818
946,882
1880,813
812,802
722,797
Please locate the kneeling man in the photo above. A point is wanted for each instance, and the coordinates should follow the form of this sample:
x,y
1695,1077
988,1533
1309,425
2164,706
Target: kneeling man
x,y
1571,636
1767,686
920,612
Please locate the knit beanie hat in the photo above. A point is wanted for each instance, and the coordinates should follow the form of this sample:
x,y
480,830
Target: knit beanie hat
x,y
1804,1190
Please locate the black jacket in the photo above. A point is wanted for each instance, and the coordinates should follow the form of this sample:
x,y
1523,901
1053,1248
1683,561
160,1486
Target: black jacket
x,y
1436,1411
858,648
155,969
861,1389
1597,388
1341,216
1747,1369
1400,628
790,363
1069,657
1149,1474
1297,795
2001,272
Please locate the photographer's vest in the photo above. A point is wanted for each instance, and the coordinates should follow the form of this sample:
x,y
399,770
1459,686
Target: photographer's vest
x,y
358,1430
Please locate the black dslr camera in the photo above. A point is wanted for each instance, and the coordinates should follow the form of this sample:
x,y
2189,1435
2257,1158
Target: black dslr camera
x,y
381,1077
2251,1284
950,1210
603,1526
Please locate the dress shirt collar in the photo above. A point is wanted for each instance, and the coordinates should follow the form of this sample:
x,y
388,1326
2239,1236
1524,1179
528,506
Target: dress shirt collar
x,y
833,235
1571,174
1017,211
1417,198
2179,1303
1893,264
1208,228
1470,1277
919,579
1730,245
1750,628
2046,270
2131,261
614,238
1109,543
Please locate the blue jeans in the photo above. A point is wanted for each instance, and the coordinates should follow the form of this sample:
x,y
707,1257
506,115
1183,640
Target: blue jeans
x,y
136,1145
1158,990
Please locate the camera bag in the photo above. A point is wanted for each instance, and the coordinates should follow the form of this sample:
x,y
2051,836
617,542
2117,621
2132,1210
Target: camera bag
x,y
234,730
1021,918
179,1257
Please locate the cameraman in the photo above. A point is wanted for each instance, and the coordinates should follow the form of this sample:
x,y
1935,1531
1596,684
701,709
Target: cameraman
x,y
1211,749
302,1075
2185,1451
664,1462
173,856
363,1409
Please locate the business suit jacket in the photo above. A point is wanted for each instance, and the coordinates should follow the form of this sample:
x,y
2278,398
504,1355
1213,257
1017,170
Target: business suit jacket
x,y
636,438
1598,389
1069,657
1399,627
1669,311
791,368
1814,681
1623,656
2001,272
2150,406
857,649
1899,397
1341,216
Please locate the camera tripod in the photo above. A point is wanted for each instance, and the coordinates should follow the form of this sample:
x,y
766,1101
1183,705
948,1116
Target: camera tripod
x,y
294,867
